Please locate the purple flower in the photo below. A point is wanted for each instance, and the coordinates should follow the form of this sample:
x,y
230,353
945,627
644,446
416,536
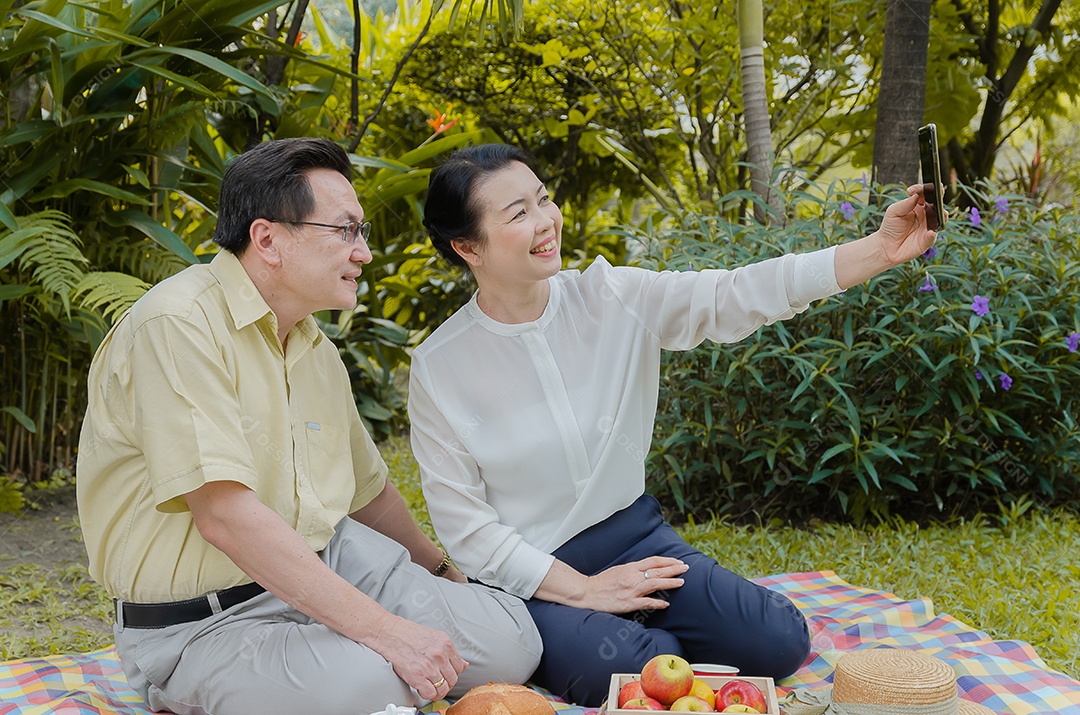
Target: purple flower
x,y
928,285
1005,380
1001,204
930,253
980,306
1073,342
978,374
975,220
863,179
848,210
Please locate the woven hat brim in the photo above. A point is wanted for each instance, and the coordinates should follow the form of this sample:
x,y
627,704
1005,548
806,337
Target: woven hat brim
x,y
966,707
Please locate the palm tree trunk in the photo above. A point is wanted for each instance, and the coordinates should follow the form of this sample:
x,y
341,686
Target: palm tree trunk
x,y
756,111
902,96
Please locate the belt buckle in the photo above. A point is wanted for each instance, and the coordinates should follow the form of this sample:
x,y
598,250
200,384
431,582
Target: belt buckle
x,y
118,608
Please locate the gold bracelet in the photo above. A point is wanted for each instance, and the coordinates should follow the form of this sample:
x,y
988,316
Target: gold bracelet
x,y
444,565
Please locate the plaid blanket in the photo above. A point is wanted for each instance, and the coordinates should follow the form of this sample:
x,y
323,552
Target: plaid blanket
x,y
1005,676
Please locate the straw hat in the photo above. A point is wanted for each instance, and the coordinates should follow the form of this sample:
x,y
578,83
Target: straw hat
x,y
886,681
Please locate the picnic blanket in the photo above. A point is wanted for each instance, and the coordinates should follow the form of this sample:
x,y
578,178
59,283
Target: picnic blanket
x,y
1005,676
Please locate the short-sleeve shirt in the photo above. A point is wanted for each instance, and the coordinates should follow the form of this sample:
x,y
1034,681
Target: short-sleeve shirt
x,y
193,386
528,434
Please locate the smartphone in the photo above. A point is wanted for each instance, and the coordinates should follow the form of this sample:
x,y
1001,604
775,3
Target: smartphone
x,y
933,189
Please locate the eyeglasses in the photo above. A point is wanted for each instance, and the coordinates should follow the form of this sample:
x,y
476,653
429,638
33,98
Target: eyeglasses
x,y
350,232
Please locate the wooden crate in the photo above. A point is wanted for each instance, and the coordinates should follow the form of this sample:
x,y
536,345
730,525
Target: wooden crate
x,y
618,680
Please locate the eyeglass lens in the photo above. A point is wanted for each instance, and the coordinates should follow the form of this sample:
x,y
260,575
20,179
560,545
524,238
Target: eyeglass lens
x,y
355,229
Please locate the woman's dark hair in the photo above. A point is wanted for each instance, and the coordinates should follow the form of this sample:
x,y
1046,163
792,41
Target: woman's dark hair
x,y
269,181
450,210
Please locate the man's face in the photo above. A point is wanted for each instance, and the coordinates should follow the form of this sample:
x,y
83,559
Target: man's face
x,y
318,269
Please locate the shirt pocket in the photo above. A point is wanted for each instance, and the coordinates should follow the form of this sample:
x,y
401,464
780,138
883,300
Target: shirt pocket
x,y
329,467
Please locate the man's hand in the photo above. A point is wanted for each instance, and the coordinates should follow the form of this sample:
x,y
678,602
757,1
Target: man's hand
x,y
452,574
424,658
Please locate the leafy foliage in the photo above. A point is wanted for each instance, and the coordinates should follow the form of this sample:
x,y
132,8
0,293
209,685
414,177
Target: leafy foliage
x,y
373,349
895,397
48,255
110,160
118,120
110,292
1017,62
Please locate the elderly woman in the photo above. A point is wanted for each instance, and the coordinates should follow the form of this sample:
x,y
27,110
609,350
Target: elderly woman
x,y
532,410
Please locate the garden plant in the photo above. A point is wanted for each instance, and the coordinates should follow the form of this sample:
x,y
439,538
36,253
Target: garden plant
x,y
945,386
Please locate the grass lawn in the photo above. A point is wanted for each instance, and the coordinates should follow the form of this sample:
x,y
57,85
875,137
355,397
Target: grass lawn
x,y
1016,578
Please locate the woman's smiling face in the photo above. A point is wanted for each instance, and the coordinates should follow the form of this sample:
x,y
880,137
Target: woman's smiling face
x,y
521,228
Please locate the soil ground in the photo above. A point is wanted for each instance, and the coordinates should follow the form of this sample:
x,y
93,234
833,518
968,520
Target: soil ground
x,y
45,591
48,536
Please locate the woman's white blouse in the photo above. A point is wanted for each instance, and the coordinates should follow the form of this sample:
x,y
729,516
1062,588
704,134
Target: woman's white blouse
x,y
528,434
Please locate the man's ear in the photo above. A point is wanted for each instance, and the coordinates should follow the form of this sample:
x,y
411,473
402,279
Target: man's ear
x,y
467,251
263,242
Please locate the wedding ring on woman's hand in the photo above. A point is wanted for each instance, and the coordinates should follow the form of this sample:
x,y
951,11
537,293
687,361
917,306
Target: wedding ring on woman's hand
x,y
442,682
646,574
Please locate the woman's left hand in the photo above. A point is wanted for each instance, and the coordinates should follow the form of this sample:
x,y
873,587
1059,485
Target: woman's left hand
x,y
904,234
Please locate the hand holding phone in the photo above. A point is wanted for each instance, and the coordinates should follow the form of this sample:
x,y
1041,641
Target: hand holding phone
x,y
933,189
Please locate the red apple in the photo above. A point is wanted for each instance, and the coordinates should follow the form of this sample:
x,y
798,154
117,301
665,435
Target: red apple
x,y
667,678
691,704
643,704
741,692
631,691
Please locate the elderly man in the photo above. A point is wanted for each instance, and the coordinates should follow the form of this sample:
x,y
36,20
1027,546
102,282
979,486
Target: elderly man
x,y
233,503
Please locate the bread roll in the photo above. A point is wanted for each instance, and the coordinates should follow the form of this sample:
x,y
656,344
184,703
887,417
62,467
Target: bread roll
x,y
501,699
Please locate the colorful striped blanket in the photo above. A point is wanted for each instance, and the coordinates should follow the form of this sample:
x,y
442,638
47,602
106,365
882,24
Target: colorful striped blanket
x,y
1005,676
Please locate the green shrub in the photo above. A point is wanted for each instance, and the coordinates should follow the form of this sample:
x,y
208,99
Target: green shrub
x,y
894,397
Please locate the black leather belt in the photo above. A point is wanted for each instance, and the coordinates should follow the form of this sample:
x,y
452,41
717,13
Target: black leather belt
x,y
162,615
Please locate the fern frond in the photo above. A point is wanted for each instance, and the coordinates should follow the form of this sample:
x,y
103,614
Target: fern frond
x,y
48,250
139,257
109,292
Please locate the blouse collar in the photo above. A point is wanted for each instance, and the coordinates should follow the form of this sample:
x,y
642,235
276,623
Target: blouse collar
x,y
472,308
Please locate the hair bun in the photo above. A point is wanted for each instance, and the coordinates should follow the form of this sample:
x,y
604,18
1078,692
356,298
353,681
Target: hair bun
x,y
501,699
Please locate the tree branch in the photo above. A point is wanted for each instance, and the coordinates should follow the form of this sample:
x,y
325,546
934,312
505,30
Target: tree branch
x,y
973,29
985,144
993,31
275,66
1018,64
393,79
354,65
